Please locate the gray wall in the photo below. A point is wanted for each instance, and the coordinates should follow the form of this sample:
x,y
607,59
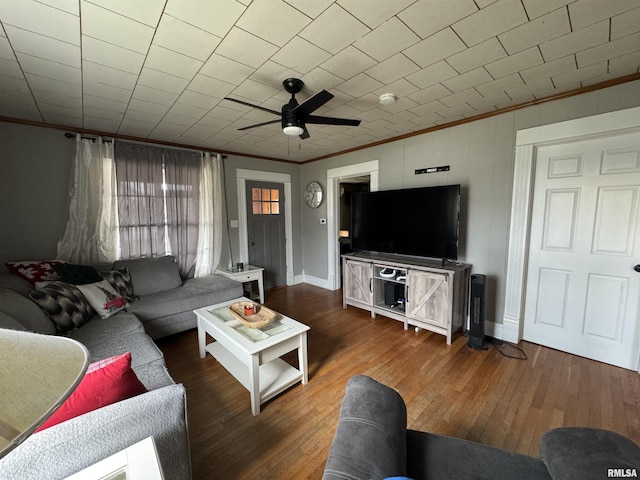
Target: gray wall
x,y
481,156
35,164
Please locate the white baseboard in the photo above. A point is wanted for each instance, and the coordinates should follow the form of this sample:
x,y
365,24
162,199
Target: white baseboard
x,y
318,282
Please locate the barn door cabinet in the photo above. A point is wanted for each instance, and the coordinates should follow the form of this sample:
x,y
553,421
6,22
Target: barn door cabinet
x,y
421,293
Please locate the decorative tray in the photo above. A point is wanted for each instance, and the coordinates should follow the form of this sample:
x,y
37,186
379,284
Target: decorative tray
x,y
261,318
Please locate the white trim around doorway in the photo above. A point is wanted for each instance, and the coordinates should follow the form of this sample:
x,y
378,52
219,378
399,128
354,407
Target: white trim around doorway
x,y
242,176
527,142
334,176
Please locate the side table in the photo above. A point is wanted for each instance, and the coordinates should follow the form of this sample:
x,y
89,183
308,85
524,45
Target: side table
x,y
248,274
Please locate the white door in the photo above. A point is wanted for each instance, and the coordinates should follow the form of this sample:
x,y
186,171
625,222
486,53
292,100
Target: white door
x,y
582,290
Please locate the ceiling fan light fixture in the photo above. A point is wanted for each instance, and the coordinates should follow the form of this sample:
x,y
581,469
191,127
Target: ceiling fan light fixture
x,y
293,130
387,98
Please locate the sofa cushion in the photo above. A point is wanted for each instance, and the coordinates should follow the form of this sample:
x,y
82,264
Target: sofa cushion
x,y
370,440
152,275
580,453
195,293
103,298
77,274
120,280
34,270
16,283
143,350
64,304
437,456
105,382
25,312
98,330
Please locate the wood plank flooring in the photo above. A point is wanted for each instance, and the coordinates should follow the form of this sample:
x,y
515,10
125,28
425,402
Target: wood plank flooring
x,y
482,396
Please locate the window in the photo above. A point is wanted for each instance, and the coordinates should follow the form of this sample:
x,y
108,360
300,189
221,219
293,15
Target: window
x,y
265,201
158,202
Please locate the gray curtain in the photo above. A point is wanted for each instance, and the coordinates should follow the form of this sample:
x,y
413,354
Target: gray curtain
x,y
158,193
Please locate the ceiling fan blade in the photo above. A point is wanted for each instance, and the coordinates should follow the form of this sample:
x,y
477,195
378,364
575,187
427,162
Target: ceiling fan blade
x,y
332,121
312,104
260,124
253,106
305,132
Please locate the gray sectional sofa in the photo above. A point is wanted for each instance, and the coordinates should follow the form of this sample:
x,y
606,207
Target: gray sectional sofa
x,y
163,305
372,442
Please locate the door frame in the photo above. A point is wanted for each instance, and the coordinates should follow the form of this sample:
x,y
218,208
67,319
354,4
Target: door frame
x,y
242,175
334,175
527,142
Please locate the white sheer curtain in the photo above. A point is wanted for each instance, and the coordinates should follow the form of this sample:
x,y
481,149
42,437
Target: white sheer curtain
x,y
210,222
91,233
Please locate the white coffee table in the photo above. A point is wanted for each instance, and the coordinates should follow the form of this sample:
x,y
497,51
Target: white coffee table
x,y
252,355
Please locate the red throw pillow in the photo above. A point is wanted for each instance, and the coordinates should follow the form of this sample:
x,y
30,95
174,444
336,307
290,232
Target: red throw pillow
x,y
35,270
106,382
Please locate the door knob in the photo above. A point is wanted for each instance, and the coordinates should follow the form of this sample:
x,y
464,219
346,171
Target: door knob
x,y
636,268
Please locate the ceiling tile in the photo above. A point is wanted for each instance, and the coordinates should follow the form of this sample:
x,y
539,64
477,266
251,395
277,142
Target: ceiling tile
x,y
103,103
102,113
374,12
272,74
254,91
246,48
428,108
181,37
312,9
430,94
392,69
549,69
318,78
491,21
582,39
574,79
55,93
334,30
400,87
273,20
387,39
433,74
625,64
300,55
99,74
613,49
468,80
430,50
359,85
100,124
43,47
37,17
198,100
69,6
46,68
168,61
497,100
348,62
162,81
587,12
623,25
110,92
100,23
210,86
5,47
500,85
515,63
529,92
147,12
537,8
427,17
103,53
13,85
225,69
547,27
214,17
460,98
477,56
10,68
153,95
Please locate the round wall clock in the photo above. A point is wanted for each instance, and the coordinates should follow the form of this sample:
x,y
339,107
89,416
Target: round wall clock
x,y
313,194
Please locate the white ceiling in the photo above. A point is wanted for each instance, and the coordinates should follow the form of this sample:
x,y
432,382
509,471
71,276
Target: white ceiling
x,y
159,69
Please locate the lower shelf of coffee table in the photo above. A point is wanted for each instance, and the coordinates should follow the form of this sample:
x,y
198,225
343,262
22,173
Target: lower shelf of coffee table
x,y
274,376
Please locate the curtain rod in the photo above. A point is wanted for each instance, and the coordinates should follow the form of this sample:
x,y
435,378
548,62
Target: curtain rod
x,y
111,140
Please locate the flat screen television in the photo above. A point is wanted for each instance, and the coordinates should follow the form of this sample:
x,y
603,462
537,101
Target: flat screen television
x,y
415,221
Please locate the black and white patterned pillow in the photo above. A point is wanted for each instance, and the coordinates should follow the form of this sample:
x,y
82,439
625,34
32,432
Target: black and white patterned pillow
x,y
120,279
64,304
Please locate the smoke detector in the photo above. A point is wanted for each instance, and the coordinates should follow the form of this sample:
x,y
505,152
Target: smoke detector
x,y
387,98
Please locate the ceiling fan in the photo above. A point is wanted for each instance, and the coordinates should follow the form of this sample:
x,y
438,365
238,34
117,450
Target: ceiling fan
x,y
295,116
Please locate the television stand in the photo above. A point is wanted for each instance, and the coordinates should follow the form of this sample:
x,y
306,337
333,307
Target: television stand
x,y
423,293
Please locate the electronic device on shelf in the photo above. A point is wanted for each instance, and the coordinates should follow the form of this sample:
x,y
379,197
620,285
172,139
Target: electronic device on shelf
x,y
414,221
387,273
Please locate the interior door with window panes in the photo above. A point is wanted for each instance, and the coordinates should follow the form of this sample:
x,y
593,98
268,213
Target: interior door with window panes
x,y
266,233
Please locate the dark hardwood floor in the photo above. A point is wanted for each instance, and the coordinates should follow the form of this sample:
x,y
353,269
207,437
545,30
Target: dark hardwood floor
x,y
451,390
